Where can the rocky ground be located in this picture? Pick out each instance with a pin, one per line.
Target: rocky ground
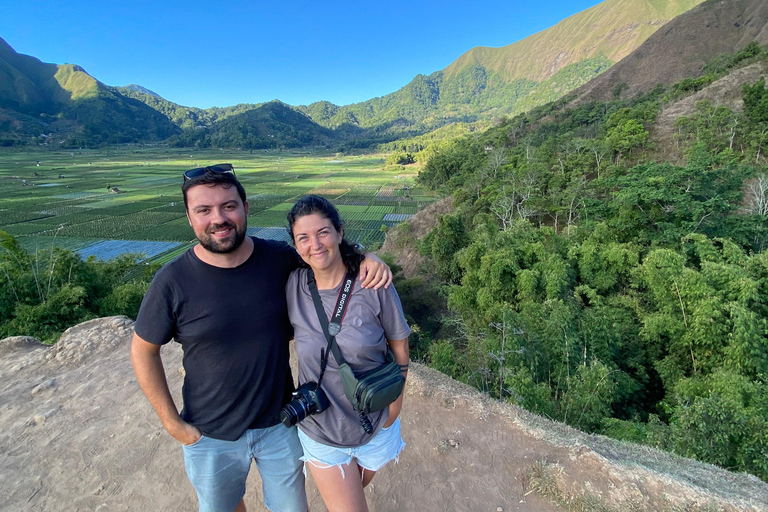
(76, 433)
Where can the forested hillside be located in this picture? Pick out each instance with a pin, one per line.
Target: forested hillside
(185, 117)
(270, 125)
(40, 102)
(590, 282)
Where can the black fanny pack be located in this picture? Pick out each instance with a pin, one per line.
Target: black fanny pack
(368, 391)
(375, 389)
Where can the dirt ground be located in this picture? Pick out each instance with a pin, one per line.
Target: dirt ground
(76, 433)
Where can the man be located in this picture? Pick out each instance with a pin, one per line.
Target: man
(224, 301)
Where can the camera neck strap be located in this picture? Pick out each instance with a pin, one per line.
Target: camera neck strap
(332, 328)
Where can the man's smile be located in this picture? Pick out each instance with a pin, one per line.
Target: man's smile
(222, 231)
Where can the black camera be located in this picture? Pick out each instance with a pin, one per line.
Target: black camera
(307, 399)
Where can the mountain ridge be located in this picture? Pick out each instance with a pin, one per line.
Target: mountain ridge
(485, 83)
(682, 49)
(66, 100)
(512, 61)
(482, 85)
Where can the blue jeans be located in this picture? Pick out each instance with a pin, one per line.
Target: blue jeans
(218, 469)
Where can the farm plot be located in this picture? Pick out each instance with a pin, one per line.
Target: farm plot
(37, 243)
(13, 216)
(274, 217)
(261, 202)
(27, 228)
(177, 229)
(109, 249)
(118, 227)
(279, 234)
(64, 198)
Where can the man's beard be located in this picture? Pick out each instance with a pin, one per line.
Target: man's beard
(225, 246)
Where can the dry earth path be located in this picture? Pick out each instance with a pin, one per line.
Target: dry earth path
(77, 434)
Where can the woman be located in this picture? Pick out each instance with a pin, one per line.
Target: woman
(342, 457)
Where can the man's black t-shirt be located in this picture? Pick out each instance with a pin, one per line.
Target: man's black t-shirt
(233, 326)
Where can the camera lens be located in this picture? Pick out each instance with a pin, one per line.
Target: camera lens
(295, 411)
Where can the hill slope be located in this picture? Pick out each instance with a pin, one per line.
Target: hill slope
(266, 126)
(486, 82)
(684, 47)
(38, 98)
(612, 28)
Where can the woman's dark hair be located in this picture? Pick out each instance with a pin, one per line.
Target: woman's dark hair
(307, 205)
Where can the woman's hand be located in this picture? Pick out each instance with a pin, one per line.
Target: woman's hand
(401, 352)
(374, 272)
(394, 411)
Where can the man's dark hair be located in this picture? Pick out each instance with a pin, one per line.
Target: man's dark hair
(307, 205)
(211, 178)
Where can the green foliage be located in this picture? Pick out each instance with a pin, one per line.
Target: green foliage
(46, 320)
(52, 289)
(589, 396)
(442, 243)
(756, 101)
(722, 419)
(272, 125)
(124, 299)
(625, 137)
(443, 357)
(448, 160)
(620, 295)
(654, 202)
(400, 159)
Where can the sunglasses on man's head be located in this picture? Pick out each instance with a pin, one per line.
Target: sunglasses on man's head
(218, 168)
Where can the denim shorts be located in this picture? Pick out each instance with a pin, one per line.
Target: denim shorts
(384, 447)
(218, 469)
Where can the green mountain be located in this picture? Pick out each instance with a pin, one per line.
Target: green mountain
(485, 83)
(184, 117)
(139, 88)
(482, 85)
(38, 100)
(267, 126)
(612, 29)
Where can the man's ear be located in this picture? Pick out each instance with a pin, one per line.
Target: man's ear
(245, 204)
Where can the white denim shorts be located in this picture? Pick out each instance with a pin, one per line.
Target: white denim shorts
(384, 447)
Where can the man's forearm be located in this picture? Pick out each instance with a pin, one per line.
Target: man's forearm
(148, 366)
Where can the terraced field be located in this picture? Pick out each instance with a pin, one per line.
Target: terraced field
(109, 201)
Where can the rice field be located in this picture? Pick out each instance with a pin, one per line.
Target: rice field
(109, 249)
(127, 199)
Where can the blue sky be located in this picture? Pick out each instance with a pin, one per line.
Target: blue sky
(221, 53)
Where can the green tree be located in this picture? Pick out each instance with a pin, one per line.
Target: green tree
(756, 101)
(442, 243)
(625, 137)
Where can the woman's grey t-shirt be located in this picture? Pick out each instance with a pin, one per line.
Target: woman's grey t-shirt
(372, 318)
